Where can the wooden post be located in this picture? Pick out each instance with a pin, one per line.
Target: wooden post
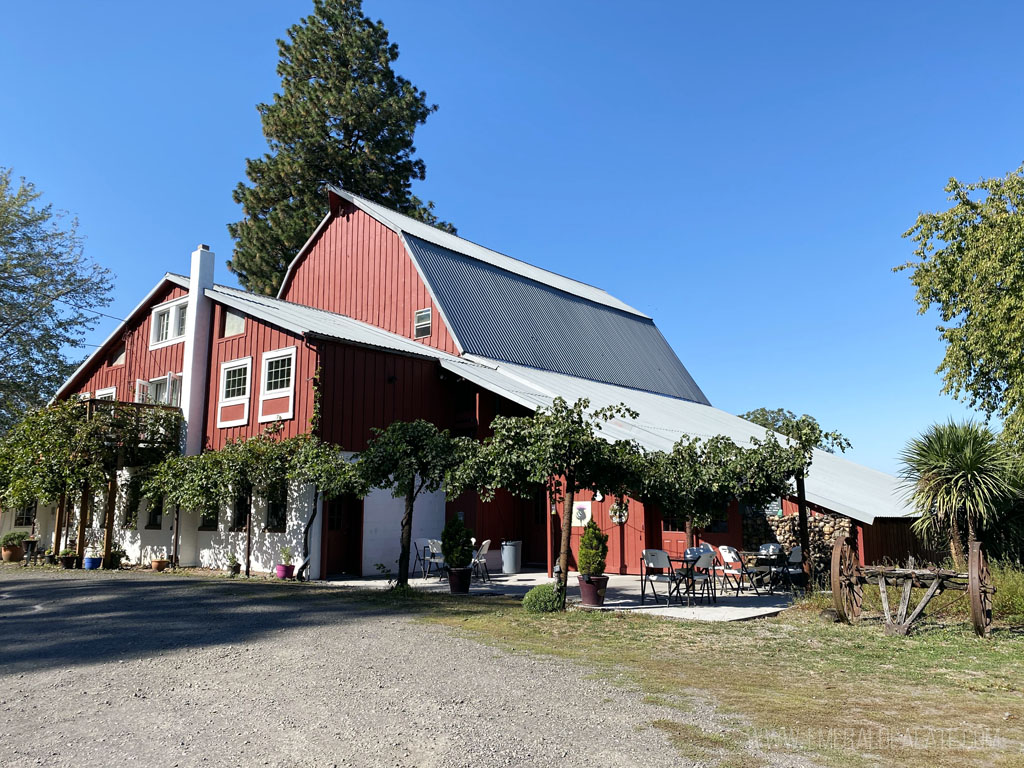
(689, 532)
(804, 532)
(83, 516)
(108, 519)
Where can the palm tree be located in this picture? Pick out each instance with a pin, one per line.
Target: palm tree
(957, 475)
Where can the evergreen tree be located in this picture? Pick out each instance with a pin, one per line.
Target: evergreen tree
(342, 117)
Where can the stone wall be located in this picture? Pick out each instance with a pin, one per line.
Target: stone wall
(823, 528)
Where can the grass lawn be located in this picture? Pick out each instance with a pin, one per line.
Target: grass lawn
(797, 683)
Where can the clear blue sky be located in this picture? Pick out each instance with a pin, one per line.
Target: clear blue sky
(740, 171)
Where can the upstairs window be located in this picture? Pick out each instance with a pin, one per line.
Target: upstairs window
(231, 323)
(277, 388)
(167, 323)
(110, 393)
(233, 403)
(117, 356)
(163, 391)
(421, 323)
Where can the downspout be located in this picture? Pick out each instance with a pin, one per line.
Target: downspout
(300, 573)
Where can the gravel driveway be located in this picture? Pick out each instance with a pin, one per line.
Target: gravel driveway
(135, 668)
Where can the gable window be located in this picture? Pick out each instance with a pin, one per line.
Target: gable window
(155, 518)
(277, 385)
(231, 323)
(277, 508)
(167, 323)
(110, 393)
(233, 403)
(117, 357)
(25, 517)
(421, 324)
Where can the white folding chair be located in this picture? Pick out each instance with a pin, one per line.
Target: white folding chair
(733, 571)
(480, 561)
(422, 552)
(657, 559)
(436, 557)
(702, 574)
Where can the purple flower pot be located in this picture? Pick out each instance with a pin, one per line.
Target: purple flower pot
(284, 571)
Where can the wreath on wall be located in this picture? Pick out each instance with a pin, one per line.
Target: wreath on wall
(619, 511)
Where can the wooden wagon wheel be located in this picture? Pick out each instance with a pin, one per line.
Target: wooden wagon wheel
(847, 579)
(980, 590)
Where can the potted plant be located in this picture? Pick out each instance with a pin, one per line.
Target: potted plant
(457, 548)
(117, 556)
(159, 563)
(285, 569)
(51, 559)
(234, 567)
(68, 559)
(591, 563)
(92, 560)
(13, 552)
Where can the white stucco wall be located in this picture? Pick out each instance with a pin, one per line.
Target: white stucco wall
(382, 527)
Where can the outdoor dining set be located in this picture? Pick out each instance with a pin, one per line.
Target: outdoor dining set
(704, 570)
(429, 557)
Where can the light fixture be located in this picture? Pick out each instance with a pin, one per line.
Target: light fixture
(598, 496)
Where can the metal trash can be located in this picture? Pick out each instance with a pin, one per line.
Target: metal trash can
(511, 553)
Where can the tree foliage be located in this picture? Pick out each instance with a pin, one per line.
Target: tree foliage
(408, 458)
(47, 289)
(804, 430)
(343, 116)
(969, 267)
(960, 478)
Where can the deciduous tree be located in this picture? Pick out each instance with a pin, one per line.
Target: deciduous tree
(343, 116)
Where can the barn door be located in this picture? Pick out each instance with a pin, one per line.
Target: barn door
(343, 539)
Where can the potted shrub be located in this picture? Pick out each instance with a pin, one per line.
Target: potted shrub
(457, 548)
(234, 567)
(285, 569)
(13, 552)
(117, 556)
(591, 564)
(68, 559)
(51, 559)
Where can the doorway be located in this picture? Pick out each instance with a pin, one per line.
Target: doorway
(343, 537)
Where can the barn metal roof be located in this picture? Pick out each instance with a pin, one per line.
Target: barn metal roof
(504, 315)
(833, 482)
(401, 223)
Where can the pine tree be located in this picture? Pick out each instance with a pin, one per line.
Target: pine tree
(343, 117)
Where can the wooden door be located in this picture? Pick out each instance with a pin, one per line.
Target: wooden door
(343, 537)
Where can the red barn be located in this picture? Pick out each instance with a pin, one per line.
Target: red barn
(404, 321)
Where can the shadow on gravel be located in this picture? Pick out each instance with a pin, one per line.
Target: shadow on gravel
(61, 621)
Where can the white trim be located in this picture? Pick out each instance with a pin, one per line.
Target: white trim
(277, 354)
(175, 307)
(141, 391)
(101, 394)
(101, 350)
(83, 395)
(168, 381)
(243, 400)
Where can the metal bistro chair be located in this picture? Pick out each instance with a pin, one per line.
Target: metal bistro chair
(480, 561)
(658, 559)
(733, 571)
(436, 558)
(422, 553)
(702, 574)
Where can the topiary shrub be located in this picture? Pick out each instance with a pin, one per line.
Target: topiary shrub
(593, 551)
(457, 544)
(542, 599)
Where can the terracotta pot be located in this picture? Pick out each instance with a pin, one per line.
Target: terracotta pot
(284, 571)
(592, 589)
(159, 565)
(13, 554)
(458, 580)
(68, 562)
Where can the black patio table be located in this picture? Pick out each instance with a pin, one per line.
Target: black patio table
(773, 563)
(685, 572)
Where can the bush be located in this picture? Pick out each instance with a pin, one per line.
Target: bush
(593, 551)
(542, 599)
(456, 544)
(14, 539)
(68, 553)
(1008, 602)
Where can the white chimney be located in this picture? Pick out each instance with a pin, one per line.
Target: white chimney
(194, 374)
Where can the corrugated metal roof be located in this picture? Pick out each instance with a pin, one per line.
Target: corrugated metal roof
(835, 483)
(300, 319)
(505, 316)
(401, 223)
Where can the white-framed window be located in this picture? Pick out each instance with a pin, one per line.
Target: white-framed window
(421, 323)
(142, 391)
(110, 393)
(167, 323)
(232, 323)
(277, 385)
(84, 395)
(166, 390)
(233, 398)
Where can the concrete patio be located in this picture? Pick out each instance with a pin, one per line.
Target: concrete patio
(623, 595)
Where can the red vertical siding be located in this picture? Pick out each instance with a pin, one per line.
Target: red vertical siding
(140, 361)
(258, 337)
(359, 268)
(364, 388)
